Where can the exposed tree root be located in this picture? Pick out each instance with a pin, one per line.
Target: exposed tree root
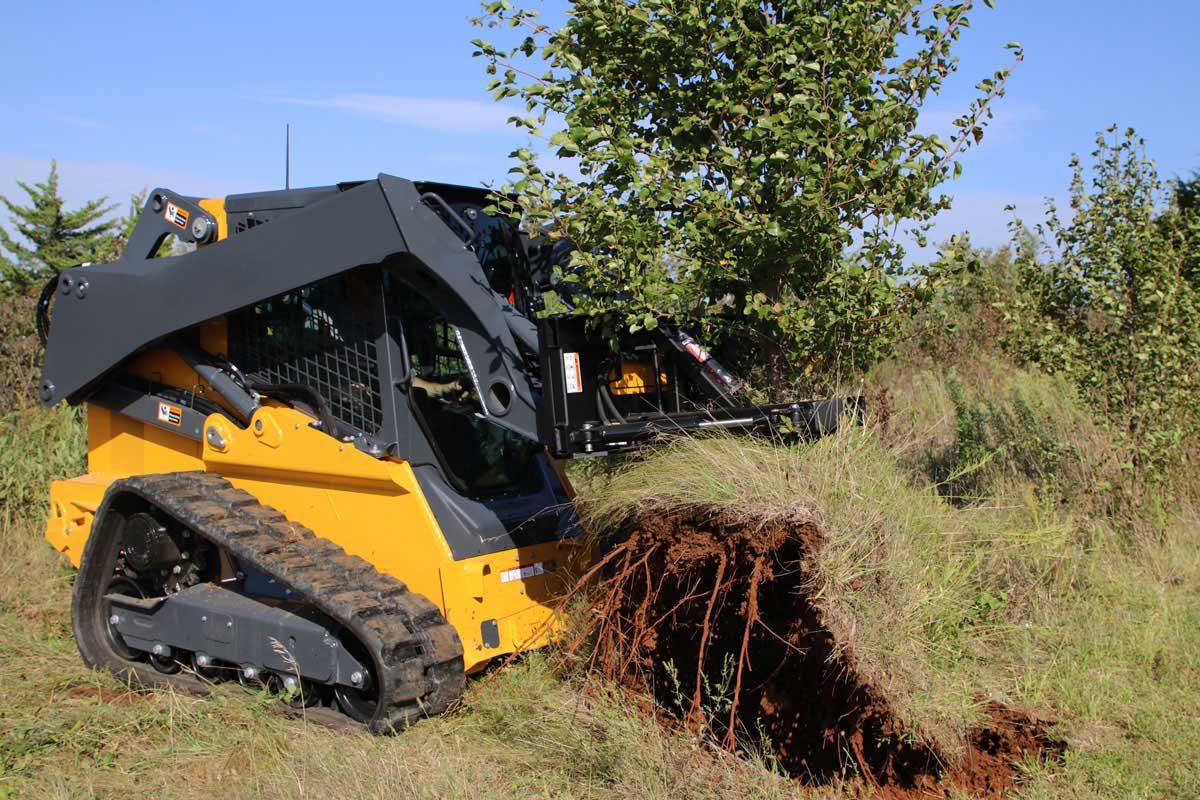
(715, 617)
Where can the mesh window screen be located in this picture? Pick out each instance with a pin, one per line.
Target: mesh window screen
(321, 336)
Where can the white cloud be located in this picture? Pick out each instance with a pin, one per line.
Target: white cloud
(81, 181)
(444, 115)
(72, 120)
(983, 215)
(1008, 122)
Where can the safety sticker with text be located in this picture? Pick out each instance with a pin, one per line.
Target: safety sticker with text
(176, 215)
(526, 571)
(571, 373)
(172, 415)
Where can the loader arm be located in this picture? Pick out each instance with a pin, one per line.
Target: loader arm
(106, 312)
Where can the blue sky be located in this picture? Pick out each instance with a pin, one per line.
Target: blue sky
(195, 97)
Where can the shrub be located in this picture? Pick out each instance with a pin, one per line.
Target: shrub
(20, 354)
(1111, 302)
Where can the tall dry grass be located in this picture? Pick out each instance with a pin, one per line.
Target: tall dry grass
(1049, 584)
(913, 585)
(1030, 590)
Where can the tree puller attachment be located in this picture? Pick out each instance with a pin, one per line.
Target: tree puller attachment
(324, 446)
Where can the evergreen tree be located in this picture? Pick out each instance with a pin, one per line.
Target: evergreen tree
(51, 237)
(7, 267)
(1184, 214)
(123, 228)
(1187, 192)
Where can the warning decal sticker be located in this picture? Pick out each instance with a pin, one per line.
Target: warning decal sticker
(527, 571)
(176, 215)
(571, 373)
(172, 415)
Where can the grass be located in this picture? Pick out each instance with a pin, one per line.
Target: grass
(1117, 655)
(980, 428)
(907, 581)
(66, 731)
(36, 447)
(1028, 595)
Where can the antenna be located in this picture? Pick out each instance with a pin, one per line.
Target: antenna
(287, 157)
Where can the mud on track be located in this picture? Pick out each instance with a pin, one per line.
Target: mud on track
(713, 616)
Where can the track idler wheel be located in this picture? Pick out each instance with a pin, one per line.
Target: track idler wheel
(205, 666)
(165, 662)
(127, 588)
(360, 705)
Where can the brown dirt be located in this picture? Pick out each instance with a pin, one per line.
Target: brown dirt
(712, 616)
(102, 695)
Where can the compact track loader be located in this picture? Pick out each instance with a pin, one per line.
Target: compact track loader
(324, 445)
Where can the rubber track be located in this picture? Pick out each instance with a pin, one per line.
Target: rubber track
(418, 655)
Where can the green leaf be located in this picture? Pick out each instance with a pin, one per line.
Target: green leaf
(725, 167)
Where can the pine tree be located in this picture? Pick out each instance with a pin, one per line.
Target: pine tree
(51, 238)
(123, 227)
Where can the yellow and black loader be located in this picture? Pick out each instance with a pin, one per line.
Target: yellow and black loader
(325, 444)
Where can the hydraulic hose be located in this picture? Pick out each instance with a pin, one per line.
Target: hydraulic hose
(42, 314)
(609, 405)
(244, 404)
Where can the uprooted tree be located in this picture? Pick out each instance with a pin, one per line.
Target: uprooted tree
(748, 166)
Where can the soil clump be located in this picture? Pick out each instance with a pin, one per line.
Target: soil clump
(717, 618)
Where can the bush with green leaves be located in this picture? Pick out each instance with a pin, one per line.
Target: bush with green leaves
(1111, 299)
(747, 166)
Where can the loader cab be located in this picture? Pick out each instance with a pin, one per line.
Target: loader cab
(385, 352)
(496, 242)
(386, 346)
(480, 459)
(497, 485)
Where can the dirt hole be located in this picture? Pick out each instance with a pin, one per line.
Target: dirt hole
(713, 616)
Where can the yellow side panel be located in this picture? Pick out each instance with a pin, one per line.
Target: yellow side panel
(372, 508)
(121, 446)
(525, 610)
(375, 509)
(73, 505)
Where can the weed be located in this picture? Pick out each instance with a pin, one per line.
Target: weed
(36, 447)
